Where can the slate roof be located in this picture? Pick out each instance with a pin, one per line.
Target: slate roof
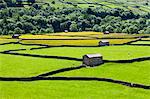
(104, 41)
(93, 55)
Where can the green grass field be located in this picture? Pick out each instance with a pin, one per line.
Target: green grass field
(116, 71)
(20, 66)
(109, 53)
(15, 46)
(123, 4)
(69, 90)
(27, 66)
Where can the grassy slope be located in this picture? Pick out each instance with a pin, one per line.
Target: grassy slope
(137, 72)
(124, 4)
(109, 53)
(25, 66)
(69, 90)
(20, 66)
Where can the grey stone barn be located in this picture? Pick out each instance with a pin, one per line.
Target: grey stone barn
(66, 31)
(16, 36)
(92, 60)
(104, 43)
(106, 32)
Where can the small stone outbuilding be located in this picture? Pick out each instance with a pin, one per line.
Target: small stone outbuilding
(104, 43)
(16, 36)
(66, 31)
(106, 32)
(92, 60)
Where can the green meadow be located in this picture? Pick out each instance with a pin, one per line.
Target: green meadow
(69, 90)
(109, 53)
(28, 66)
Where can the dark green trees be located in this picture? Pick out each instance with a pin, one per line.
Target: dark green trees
(38, 19)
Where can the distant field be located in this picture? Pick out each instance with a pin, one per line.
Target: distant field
(145, 38)
(69, 35)
(142, 42)
(7, 40)
(123, 4)
(74, 42)
(82, 35)
(77, 38)
(98, 35)
(16, 46)
(109, 53)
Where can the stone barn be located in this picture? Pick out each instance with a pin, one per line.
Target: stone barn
(104, 43)
(92, 60)
(66, 31)
(16, 36)
(106, 32)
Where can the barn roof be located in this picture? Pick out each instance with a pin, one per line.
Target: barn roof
(16, 34)
(106, 32)
(104, 41)
(93, 55)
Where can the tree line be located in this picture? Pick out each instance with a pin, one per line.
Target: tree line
(39, 19)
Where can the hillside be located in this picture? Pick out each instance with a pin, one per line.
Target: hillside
(74, 15)
(137, 6)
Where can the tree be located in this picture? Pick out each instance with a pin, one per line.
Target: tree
(147, 31)
(56, 25)
(141, 31)
(3, 5)
(53, 2)
(1, 31)
(73, 27)
(18, 31)
(27, 27)
(36, 6)
(133, 29)
(109, 28)
(97, 28)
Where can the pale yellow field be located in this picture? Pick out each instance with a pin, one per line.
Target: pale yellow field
(5, 37)
(7, 40)
(50, 37)
(74, 42)
(69, 35)
(78, 33)
(145, 38)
